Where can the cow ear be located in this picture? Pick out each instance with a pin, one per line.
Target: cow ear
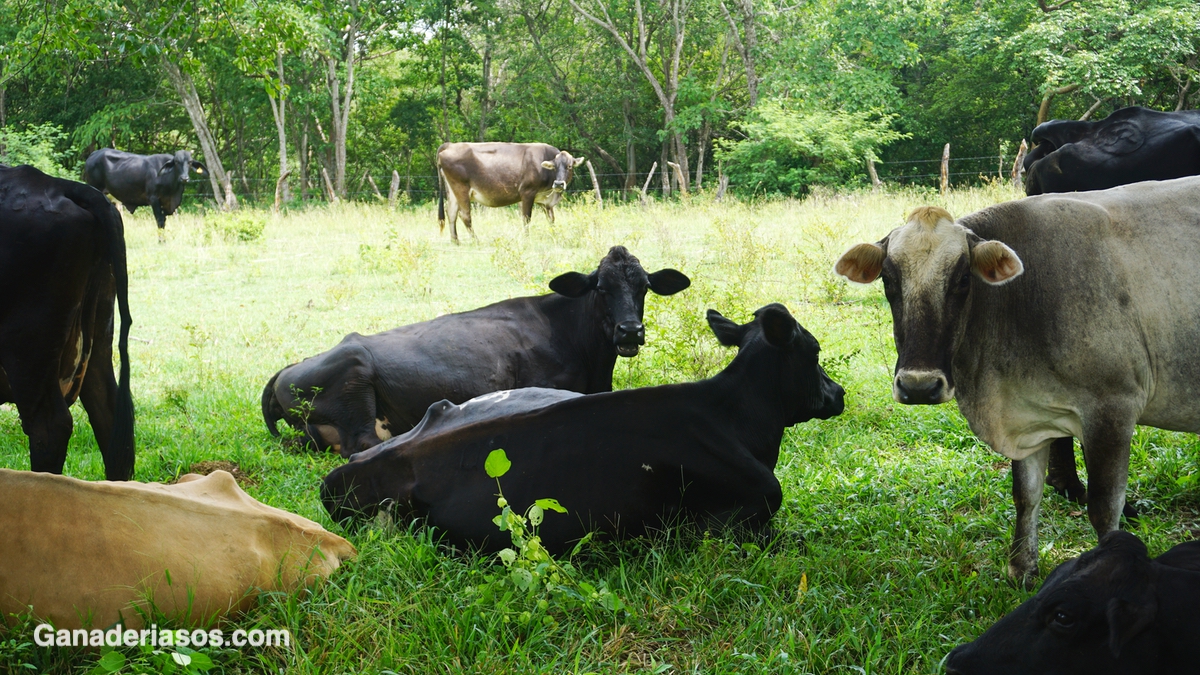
(669, 282)
(862, 263)
(198, 166)
(169, 165)
(778, 325)
(580, 160)
(995, 262)
(728, 333)
(548, 165)
(573, 284)
(1127, 619)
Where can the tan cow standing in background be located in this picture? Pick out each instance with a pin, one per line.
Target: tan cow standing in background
(500, 174)
(89, 554)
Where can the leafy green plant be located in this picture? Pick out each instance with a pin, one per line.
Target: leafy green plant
(36, 146)
(241, 226)
(788, 150)
(180, 660)
(534, 582)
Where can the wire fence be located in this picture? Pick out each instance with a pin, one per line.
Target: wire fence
(419, 188)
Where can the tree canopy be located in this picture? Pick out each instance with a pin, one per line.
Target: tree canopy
(778, 95)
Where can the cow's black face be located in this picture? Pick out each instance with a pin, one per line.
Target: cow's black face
(563, 165)
(1091, 617)
(176, 169)
(928, 268)
(808, 393)
(619, 288)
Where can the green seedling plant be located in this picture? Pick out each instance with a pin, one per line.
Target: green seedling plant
(535, 584)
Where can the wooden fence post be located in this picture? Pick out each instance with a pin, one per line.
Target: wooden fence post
(875, 182)
(595, 183)
(1019, 165)
(679, 178)
(371, 180)
(279, 188)
(722, 182)
(333, 198)
(646, 185)
(945, 184)
(394, 190)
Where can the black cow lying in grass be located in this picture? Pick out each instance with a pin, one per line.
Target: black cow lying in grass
(1112, 610)
(621, 462)
(366, 389)
(62, 263)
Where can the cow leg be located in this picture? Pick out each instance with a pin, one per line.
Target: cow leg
(1029, 480)
(99, 398)
(527, 209)
(465, 213)
(161, 219)
(1106, 454)
(1062, 475)
(549, 212)
(45, 417)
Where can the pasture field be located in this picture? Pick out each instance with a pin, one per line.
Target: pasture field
(892, 538)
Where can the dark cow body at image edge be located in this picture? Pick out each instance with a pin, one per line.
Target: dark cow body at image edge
(156, 181)
(1048, 318)
(622, 462)
(62, 261)
(368, 388)
(1129, 146)
(1111, 611)
(501, 174)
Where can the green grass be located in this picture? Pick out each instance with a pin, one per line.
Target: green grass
(895, 519)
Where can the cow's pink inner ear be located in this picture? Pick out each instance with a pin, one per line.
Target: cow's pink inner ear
(995, 262)
(861, 264)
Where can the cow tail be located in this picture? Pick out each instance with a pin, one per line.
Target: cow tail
(441, 201)
(121, 443)
(271, 409)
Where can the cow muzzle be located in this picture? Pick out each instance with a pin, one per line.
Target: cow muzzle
(629, 337)
(921, 387)
(559, 185)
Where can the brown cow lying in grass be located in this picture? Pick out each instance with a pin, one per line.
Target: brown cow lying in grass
(89, 554)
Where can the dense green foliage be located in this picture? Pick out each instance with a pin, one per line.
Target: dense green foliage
(363, 89)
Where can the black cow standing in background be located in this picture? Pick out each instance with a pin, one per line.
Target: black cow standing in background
(62, 259)
(1129, 146)
(368, 388)
(156, 181)
(623, 462)
(1111, 611)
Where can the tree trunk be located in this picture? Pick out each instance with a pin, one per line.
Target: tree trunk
(666, 175)
(303, 158)
(279, 111)
(705, 132)
(630, 150)
(746, 43)
(485, 86)
(186, 89)
(1044, 109)
(340, 104)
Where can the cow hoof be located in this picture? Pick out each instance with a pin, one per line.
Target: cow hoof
(1022, 576)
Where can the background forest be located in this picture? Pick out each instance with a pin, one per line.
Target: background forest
(779, 95)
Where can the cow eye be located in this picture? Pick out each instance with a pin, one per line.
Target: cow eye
(1062, 619)
(964, 282)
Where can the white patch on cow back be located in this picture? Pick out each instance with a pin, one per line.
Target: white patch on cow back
(381, 429)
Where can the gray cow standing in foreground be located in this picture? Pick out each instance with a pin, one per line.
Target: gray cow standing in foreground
(1046, 318)
(501, 174)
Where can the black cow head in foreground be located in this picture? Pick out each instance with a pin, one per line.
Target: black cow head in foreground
(927, 266)
(620, 284)
(563, 165)
(1111, 611)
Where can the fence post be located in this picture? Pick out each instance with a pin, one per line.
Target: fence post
(595, 183)
(279, 188)
(722, 182)
(371, 180)
(646, 185)
(394, 189)
(679, 178)
(945, 184)
(1019, 165)
(875, 182)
